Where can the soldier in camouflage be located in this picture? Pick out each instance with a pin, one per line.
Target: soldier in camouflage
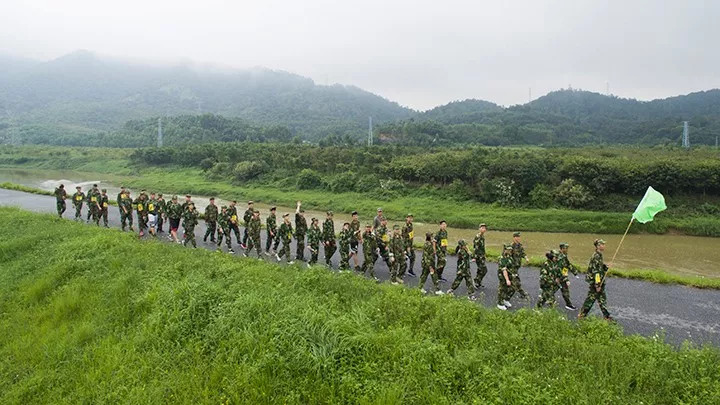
(383, 242)
(428, 266)
(104, 206)
(78, 199)
(518, 254)
(356, 238)
(479, 255)
(313, 237)
(174, 213)
(409, 238)
(285, 234)
(549, 279)
(234, 226)
(369, 251)
(247, 216)
(152, 213)
(125, 206)
(254, 234)
(566, 267)
(190, 219)
(60, 196)
(93, 203)
(140, 204)
(271, 229)
(211, 217)
(328, 238)
(301, 228)
(346, 236)
(505, 266)
(463, 270)
(397, 255)
(224, 229)
(597, 270)
(441, 245)
(161, 212)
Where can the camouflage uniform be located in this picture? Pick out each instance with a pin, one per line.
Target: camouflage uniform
(441, 245)
(271, 228)
(548, 283)
(152, 210)
(224, 229)
(408, 237)
(480, 259)
(234, 228)
(565, 267)
(505, 263)
(383, 240)
(595, 275)
(104, 206)
(345, 241)
(285, 234)
(369, 252)
(174, 211)
(247, 216)
(78, 199)
(518, 253)
(397, 254)
(161, 211)
(93, 201)
(190, 219)
(355, 236)
(301, 228)
(428, 262)
(211, 216)
(463, 270)
(141, 209)
(125, 206)
(60, 196)
(313, 237)
(328, 237)
(254, 227)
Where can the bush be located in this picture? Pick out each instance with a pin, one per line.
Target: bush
(572, 194)
(541, 196)
(342, 182)
(308, 179)
(207, 163)
(249, 170)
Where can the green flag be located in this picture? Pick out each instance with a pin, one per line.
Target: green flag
(651, 204)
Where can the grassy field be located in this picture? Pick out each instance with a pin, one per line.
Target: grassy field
(115, 165)
(91, 316)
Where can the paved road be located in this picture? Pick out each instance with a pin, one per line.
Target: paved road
(680, 313)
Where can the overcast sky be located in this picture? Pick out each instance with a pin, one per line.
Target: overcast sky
(418, 53)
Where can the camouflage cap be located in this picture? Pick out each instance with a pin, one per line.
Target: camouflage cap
(564, 245)
(159, 194)
(329, 213)
(482, 225)
(250, 202)
(555, 253)
(174, 197)
(212, 198)
(368, 226)
(428, 234)
(354, 213)
(256, 212)
(78, 187)
(507, 246)
(515, 234)
(599, 242)
(224, 207)
(462, 242)
(285, 215)
(273, 208)
(409, 216)
(379, 209)
(396, 227)
(188, 196)
(104, 190)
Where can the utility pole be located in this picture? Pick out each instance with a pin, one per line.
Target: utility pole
(370, 137)
(686, 135)
(160, 134)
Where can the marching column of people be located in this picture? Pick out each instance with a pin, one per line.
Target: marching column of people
(396, 247)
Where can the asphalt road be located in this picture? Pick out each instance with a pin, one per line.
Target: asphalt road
(676, 312)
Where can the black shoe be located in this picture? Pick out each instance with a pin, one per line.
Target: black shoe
(412, 273)
(212, 240)
(570, 307)
(442, 279)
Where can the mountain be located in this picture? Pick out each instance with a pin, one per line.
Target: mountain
(460, 112)
(83, 92)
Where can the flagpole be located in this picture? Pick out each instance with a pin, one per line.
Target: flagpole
(618, 249)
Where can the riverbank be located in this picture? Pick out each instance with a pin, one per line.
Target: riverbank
(90, 317)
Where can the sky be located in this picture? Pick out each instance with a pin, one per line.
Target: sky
(418, 53)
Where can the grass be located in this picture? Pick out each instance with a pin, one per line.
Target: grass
(88, 316)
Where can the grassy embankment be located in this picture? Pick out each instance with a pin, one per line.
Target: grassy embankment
(114, 164)
(93, 315)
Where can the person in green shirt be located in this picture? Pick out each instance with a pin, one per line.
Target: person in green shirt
(253, 241)
(505, 266)
(301, 228)
(271, 229)
(441, 245)
(211, 216)
(463, 270)
(77, 200)
(224, 229)
(328, 235)
(549, 279)
(565, 268)
(161, 212)
(190, 219)
(479, 255)
(313, 237)
(518, 254)
(285, 233)
(346, 236)
(124, 202)
(397, 255)
(369, 242)
(104, 206)
(597, 270)
(174, 213)
(428, 265)
(60, 196)
(409, 238)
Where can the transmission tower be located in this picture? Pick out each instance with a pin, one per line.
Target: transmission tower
(370, 137)
(686, 135)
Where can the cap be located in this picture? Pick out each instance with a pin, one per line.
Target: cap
(250, 202)
(428, 234)
(273, 208)
(142, 191)
(481, 225)
(396, 227)
(564, 245)
(555, 253)
(368, 226)
(354, 213)
(62, 186)
(379, 209)
(329, 213)
(212, 198)
(302, 211)
(104, 190)
(507, 246)
(256, 212)
(224, 207)
(408, 215)
(174, 197)
(78, 187)
(188, 196)
(516, 234)
(599, 242)
(94, 185)
(461, 242)
(159, 194)
(286, 215)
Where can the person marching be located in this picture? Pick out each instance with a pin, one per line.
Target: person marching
(346, 237)
(190, 219)
(383, 242)
(370, 245)
(141, 210)
(549, 279)
(355, 239)
(124, 203)
(409, 238)
(60, 196)
(313, 237)
(234, 227)
(328, 236)
(174, 213)
(505, 266)
(78, 199)
(93, 201)
(301, 228)
(224, 229)
(463, 270)
(161, 212)
(247, 216)
(428, 266)
(441, 244)
(104, 206)
(396, 255)
(285, 234)
(479, 255)
(271, 229)
(211, 217)
(518, 254)
(597, 270)
(565, 267)
(152, 213)
(254, 235)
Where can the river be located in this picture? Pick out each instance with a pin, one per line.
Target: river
(679, 254)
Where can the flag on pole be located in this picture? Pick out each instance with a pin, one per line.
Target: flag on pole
(652, 203)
